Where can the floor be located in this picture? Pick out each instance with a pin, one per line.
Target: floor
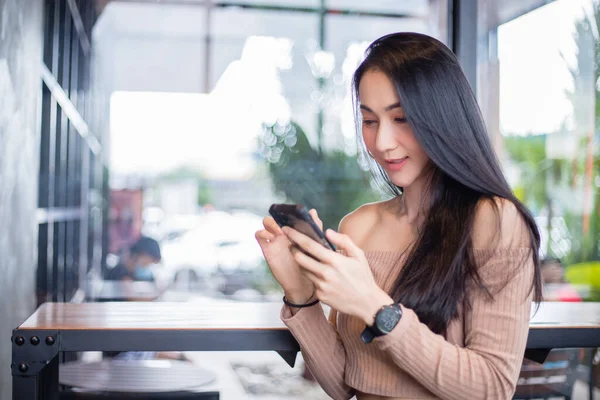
(231, 389)
(230, 386)
(581, 390)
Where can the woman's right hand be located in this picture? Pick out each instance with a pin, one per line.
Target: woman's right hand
(276, 248)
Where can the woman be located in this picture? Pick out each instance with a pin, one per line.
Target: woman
(431, 291)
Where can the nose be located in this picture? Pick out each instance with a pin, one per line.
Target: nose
(386, 138)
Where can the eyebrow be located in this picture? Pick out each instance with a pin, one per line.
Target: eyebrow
(388, 108)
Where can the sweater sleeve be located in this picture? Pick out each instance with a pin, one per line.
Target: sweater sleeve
(495, 328)
(321, 348)
(495, 338)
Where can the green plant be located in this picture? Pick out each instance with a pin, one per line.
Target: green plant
(585, 169)
(578, 173)
(331, 182)
(529, 152)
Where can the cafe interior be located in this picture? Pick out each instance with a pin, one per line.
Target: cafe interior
(143, 141)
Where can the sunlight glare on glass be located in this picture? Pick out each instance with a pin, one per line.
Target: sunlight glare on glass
(252, 84)
(535, 52)
(216, 132)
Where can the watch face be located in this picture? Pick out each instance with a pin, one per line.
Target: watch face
(388, 318)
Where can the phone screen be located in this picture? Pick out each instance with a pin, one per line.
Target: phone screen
(296, 216)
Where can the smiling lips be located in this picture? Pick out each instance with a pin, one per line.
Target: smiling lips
(395, 164)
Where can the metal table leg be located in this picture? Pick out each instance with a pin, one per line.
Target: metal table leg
(40, 386)
(35, 365)
(25, 387)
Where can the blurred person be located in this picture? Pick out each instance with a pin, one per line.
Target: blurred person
(556, 288)
(552, 271)
(135, 264)
(430, 291)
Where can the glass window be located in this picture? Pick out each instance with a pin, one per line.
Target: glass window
(540, 99)
(275, 3)
(538, 87)
(217, 113)
(408, 7)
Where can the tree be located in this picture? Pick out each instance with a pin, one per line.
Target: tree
(577, 174)
(331, 182)
(529, 152)
(585, 169)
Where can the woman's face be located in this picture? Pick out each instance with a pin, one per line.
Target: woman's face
(387, 135)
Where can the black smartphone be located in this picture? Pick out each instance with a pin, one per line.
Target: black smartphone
(296, 216)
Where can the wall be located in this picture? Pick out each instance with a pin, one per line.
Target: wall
(21, 36)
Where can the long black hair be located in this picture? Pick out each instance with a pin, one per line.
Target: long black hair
(442, 111)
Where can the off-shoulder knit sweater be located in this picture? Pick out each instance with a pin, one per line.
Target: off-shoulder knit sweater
(479, 357)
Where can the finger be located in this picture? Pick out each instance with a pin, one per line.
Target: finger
(272, 226)
(309, 246)
(343, 242)
(264, 236)
(320, 286)
(311, 277)
(308, 264)
(315, 216)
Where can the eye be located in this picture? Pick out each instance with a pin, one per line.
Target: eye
(400, 120)
(369, 122)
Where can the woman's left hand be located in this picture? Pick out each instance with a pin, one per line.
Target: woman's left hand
(344, 282)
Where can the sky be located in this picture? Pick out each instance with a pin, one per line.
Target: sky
(217, 132)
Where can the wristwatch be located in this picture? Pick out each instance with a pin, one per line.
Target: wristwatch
(386, 319)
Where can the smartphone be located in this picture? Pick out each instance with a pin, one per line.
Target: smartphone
(296, 216)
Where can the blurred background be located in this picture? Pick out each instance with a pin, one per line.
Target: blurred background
(183, 120)
(214, 113)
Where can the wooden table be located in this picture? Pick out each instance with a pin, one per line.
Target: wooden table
(214, 326)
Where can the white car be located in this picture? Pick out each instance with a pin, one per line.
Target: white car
(219, 253)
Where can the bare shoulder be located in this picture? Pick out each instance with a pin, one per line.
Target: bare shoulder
(499, 224)
(359, 223)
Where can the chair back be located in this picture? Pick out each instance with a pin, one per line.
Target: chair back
(554, 378)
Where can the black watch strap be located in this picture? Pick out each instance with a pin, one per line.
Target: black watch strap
(367, 335)
(386, 318)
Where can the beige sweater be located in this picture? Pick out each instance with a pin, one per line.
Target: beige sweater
(479, 358)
